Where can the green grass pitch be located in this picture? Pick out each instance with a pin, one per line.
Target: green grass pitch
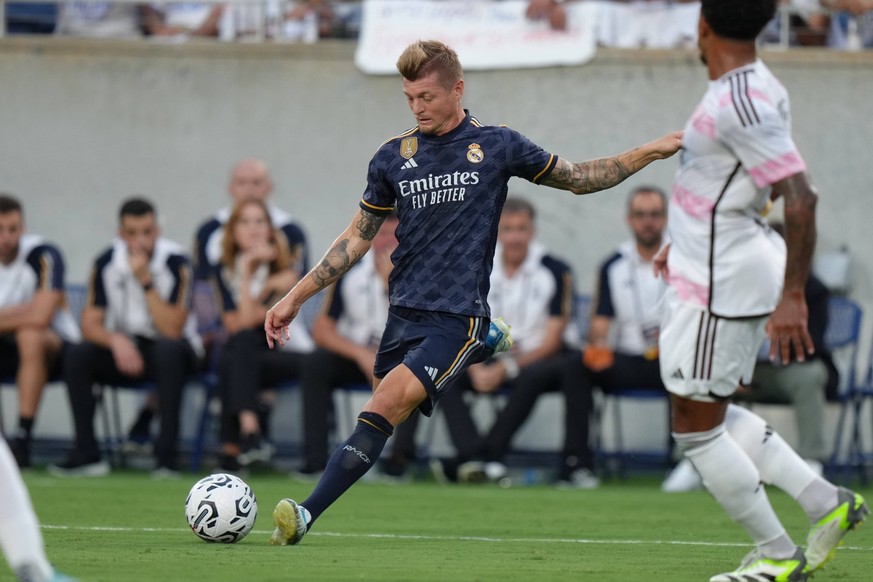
(127, 527)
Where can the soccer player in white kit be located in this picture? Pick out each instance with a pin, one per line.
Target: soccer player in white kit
(731, 282)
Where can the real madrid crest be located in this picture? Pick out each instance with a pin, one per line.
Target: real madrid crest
(408, 147)
(475, 153)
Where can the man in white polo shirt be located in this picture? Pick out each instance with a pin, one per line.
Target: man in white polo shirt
(34, 318)
(622, 349)
(136, 326)
(626, 318)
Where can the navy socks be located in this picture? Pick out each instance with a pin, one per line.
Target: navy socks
(349, 462)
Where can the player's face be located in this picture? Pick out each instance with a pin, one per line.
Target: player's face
(252, 229)
(437, 110)
(647, 219)
(11, 229)
(250, 181)
(515, 232)
(139, 233)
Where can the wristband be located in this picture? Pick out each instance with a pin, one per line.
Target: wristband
(146, 287)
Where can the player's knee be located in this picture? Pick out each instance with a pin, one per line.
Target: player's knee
(690, 441)
(394, 403)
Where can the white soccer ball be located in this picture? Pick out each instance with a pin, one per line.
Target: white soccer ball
(221, 508)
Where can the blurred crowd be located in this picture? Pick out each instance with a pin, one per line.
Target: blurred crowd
(843, 24)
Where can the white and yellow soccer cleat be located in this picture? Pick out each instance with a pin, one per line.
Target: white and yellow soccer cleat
(755, 567)
(828, 532)
(291, 523)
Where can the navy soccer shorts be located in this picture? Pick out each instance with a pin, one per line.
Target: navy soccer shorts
(436, 346)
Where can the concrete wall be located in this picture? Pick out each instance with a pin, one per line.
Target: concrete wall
(84, 124)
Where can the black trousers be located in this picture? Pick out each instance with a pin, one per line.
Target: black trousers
(561, 373)
(628, 372)
(323, 371)
(246, 366)
(167, 363)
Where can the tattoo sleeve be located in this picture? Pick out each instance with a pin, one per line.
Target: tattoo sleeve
(344, 253)
(369, 225)
(587, 177)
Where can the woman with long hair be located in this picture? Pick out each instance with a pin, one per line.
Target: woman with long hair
(256, 267)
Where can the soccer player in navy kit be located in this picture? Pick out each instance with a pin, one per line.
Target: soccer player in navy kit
(447, 180)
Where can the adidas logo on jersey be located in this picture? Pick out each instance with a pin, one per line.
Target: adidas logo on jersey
(678, 374)
(432, 372)
(410, 163)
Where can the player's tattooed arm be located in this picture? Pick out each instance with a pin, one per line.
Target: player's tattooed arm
(347, 249)
(603, 173)
(369, 224)
(587, 177)
(334, 264)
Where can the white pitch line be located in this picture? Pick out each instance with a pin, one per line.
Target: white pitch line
(418, 537)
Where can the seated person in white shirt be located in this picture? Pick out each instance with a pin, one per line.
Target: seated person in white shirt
(347, 333)
(136, 326)
(34, 321)
(622, 349)
(534, 292)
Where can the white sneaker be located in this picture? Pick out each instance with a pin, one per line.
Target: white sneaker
(684, 477)
(291, 521)
(78, 465)
(481, 472)
(755, 567)
(828, 532)
(579, 479)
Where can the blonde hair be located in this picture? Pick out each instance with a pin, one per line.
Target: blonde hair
(229, 248)
(424, 57)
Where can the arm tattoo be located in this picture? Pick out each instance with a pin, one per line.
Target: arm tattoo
(369, 225)
(341, 258)
(333, 265)
(587, 177)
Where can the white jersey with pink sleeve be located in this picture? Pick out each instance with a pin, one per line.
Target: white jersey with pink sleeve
(724, 258)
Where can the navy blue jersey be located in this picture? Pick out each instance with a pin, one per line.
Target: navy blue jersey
(449, 191)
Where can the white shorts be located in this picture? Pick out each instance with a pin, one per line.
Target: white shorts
(703, 356)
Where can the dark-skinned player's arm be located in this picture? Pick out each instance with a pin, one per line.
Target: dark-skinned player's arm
(787, 326)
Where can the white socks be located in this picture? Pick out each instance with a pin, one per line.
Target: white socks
(732, 478)
(778, 464)
(19, 531)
